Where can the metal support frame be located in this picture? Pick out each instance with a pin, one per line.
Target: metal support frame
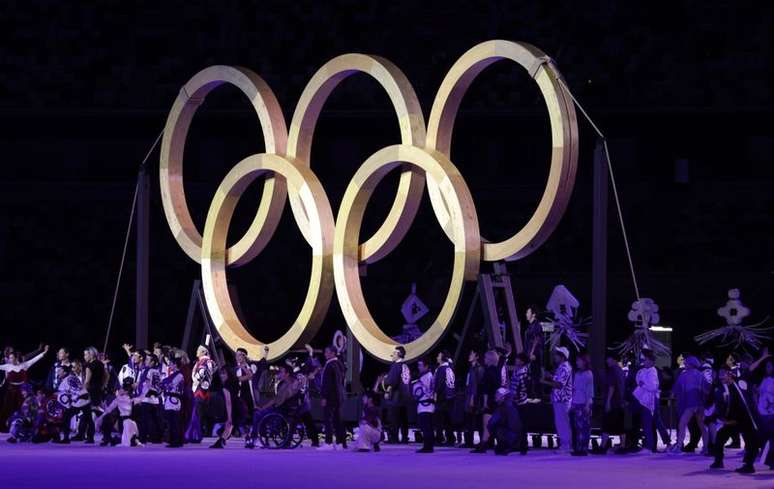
(486, 295)
(143, 252)
(598, 330)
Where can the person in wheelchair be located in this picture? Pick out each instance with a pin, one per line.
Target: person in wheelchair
(287, 402)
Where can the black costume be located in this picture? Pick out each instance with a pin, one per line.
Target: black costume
(734, 405)
(444, 400)
(505, 427)
(473, 402)
(332, 392)
(396, 401)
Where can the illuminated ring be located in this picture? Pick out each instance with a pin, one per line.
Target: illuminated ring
(465, 237)
(173, 145)
(302, 183)
(412, 131)
(564, 137)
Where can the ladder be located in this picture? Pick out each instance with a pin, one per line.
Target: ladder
(493, 289)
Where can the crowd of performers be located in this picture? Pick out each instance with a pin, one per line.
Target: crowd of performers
(162, 396)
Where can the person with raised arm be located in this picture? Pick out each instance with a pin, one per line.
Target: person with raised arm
(15, 370)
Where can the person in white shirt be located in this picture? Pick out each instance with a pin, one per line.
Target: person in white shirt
(422, 389)
(124, 404)
(561, 397)
(647, 396)
(75, 398)
(133, 367)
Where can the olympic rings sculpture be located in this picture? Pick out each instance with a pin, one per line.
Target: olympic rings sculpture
(423, 155)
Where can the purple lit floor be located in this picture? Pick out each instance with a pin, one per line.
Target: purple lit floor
(77, 465)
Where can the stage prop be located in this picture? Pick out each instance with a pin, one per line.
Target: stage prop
(338, 253)
(734, 333)
(643, 314)
(567, 323)
(413, 309)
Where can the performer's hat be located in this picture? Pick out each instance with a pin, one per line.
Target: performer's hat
(564, 351)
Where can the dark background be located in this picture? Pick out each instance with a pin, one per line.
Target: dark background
(84, 90)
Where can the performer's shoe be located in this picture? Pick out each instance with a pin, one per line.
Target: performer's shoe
(90, 441)
(77, 438)
(716, 465)
(250, 444)
(219, 443)
(174, 445)
(481, 448)
(745, 469)
(328, 447)
(11, 440)
(576, 453)
(425, 450)
(105, 442)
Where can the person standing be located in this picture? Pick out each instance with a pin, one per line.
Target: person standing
(520, 394)
(766, 409)
(489, 385)
(613, 416)
(646, 396)
(561, 396)
(247, 373)
(691, 391)
(534, 345)
(172, 388)
(201, 376)
(424, 395)
(332, 394)
(62, 359)
(134, 365)
(397, 396)
(75, 398)
(95, 379)
(15, 376)
(473, 401)
(227, 386)
(733, 404)
(444, 399)
(582, 401)
(149, 390)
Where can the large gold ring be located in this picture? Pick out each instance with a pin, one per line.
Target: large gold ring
(412, 132)
(303, 184)
(173, 145)
(564, 137)
(422, 154)
(464, 236)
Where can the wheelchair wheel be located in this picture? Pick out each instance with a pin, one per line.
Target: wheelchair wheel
(274, 431)
(297, 437)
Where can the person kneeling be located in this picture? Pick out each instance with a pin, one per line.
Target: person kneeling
(124, 404)
(370, 428)
(505, 424)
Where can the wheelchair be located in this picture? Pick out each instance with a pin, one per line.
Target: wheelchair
(281, 430)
